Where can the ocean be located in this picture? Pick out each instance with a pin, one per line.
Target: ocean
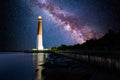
(16, 66)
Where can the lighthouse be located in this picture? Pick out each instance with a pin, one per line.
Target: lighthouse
(39, 56)
(39, 34)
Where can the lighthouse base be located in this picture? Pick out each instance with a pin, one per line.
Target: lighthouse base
(39, 42)
(40, 48)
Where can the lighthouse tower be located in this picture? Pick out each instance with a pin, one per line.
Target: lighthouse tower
(39, 34)
(39, 56)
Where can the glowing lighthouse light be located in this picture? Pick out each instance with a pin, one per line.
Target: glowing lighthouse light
(39, 34)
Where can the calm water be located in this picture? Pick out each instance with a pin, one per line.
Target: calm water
(21, 66)
(16, 66)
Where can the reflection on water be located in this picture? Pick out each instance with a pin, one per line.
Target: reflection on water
(39, 59)
(21, 66)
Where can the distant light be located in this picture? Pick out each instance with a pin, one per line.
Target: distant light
(46, 49)
(39, 17)
(34, 49)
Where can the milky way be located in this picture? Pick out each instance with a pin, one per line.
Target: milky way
(78, 29)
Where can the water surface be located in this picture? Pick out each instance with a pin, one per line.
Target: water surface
(16, 66)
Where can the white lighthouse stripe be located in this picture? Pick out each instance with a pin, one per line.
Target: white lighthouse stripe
(39, 42)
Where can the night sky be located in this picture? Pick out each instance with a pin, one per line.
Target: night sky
(64, 21)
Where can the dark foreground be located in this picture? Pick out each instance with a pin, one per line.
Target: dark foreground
(65, 73)
(61, 68)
